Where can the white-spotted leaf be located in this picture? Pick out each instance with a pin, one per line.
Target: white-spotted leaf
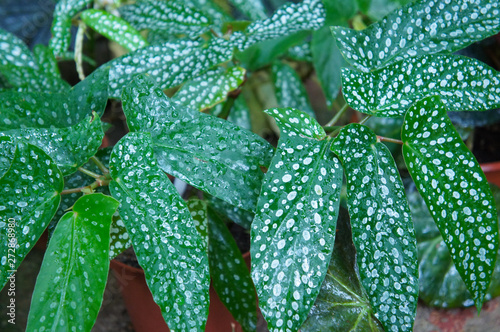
(75, 268)
(293, 231)
(165, 240)
(464, 84)
(29, 198)
(382, 228)
(290, 92)
(209, 153)
(14, 52)
(455, 190)
(113, 28)
(421, 27)
(253, 9)
(210, 88)
(168, 64)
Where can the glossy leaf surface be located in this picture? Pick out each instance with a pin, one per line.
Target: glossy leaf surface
(421, 27)
(210, 88)
(165, 240)
(169, 64)
(207, 152)
(172, 17)
(239, 216)
(61, 26)
(30, 195)
(294, 227)
(342, 304)
(440, 282)
(69, 147)
(113, 28)
(14, 51)
(75, 268)
(456, 191)
(382, 228)
(287, 20)
(290, 92)
(464, 84)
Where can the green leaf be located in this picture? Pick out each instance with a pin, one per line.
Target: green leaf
(287, 20)
(14, 52)
(210, 88)
(456, 191)
(46, 61)
(210, 9)
(239, 216)
(440, 282)
(230, 276)
(209, 153)
(422, 27)
(170, 17)
(240, 113)
(113, 28)
(327, 61)
(69, 147)
(301, 52)
(61, 25)
(342, 304)
(32, 79)
(462, 83)
(339, 10)
(29, 197)
(253, 9)
(381, 226)
(169, 64)
(290, 92)
(70, 286)
(377, 9)
(166, 243)
(90, 95)
(294, 228)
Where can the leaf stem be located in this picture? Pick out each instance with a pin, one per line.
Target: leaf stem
(338, 115)
(102, 181)
(89, 173)
(79, 49)
(366, 118)
(390, 140)
(99, 164)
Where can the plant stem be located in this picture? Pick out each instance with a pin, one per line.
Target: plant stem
(390, 140)
(89, 173)
(99, 164)
(338, 115)
(226, 109)
(363, 121)
(79, 49)
(100, 182)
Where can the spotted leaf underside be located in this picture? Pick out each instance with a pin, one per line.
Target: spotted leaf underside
(210, 88)
(293, 231)
(209, 153)
(455, 190)
(290, 92)
(440, 282)
(61, 25)
(230, 276)
(75, 268)
(113, 28)
(382, 228)
(168, 64)
(31, 184)
(165, 240)
(287, 20)
(464, 84)
(172, 17)
(421, 27)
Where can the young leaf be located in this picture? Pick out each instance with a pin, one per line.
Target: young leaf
(287, 20)
(169, 64)
(28, 200)
(230, 276)
(207, 152)
(381, 227)
(210, 88)
(342, 304)
(421, 27)
(253, 9)
(171, 17)
(290, 92)
(464, 84)
(61, 26)
(69, 147)
(456, 191)
(166, 243)
(75, 268)
(113, 28)
(294, 227)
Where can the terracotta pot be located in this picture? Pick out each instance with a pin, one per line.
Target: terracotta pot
(145, 314)
(492, 172)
